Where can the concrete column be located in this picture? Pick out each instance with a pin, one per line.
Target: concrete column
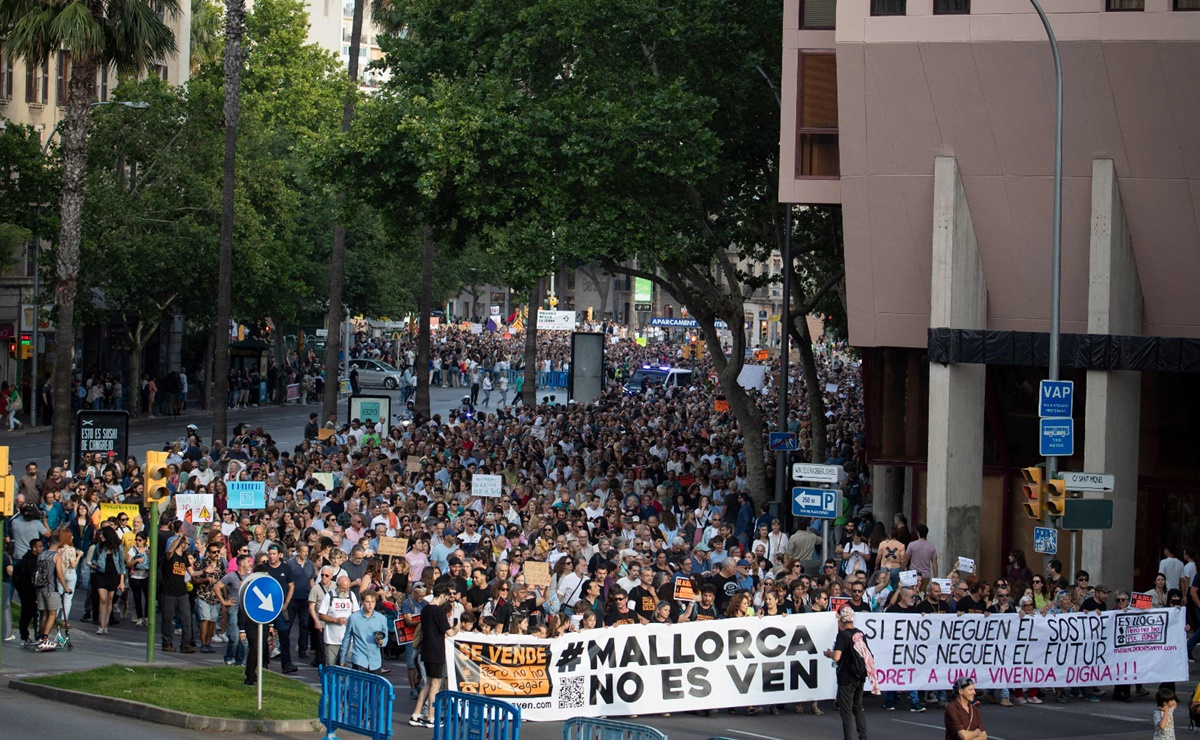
(958, 299)
(1113, 410)
(887, 492)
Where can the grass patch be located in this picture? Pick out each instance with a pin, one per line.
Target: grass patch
(214, 692)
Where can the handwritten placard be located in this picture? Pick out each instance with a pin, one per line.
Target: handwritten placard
(393, 545)
(324, 434)
(486, 486)
(537, 573)
(685, 590)
(412, 464)
(537, 432)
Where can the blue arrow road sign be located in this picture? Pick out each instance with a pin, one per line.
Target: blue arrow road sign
(783, 442)
(1045, 540)
(262, 598)
(1057, 438)
(1054, 398)
(815, 503)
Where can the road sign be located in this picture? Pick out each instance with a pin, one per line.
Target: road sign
(1054, 398)
(783, 442)
(816, 473)
(1057, 437)
(1088, 513)
(1045, 540)
(816, 503)
(1100, 482)
(262, 598)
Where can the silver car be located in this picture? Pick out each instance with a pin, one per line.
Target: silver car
(376, 374)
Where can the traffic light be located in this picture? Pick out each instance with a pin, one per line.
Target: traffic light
(1056, 497)
(1035, 493)
(8, 485)
(156, 477)
(590, 313)
(26, 346)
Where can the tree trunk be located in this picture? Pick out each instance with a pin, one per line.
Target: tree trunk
(235, 12)
(207, 390)
(70, 204)
(337, 263)
(141, 335)
(743, 408)
(530, 389)
(280, 352)
(812, 389)
(428, 250)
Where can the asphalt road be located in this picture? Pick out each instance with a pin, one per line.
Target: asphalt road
(284, 423)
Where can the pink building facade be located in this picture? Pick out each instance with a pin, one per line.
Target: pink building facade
(931, 123)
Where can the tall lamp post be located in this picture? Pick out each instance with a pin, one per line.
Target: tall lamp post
(37, 261)
(1056, 242)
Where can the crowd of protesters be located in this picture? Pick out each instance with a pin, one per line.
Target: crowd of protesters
(621, 498)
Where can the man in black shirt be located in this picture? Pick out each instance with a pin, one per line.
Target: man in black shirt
(933, 604)
(852, 668)
(726, 583)
(176, 567)
(454, 577)
(435, 628)
(706, 609)
(1097, 602)
(643, 598)
(283, 575)
(972, 602)
(856, 598)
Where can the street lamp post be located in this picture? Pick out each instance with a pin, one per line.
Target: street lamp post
(37, 261)
(1056, 240)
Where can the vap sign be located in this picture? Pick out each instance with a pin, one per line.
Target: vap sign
(1055, 398)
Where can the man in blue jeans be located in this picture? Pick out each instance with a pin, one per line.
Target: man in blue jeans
(228, 590)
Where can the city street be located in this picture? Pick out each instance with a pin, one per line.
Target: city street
(284, 423)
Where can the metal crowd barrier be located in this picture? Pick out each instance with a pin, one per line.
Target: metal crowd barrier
(357, 701)
(607, 729)
(460, 716)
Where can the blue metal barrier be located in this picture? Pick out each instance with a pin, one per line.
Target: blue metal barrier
(460, 716)
(357, 701)
(607, 729)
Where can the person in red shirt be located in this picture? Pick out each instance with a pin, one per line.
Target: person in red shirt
(964, 721)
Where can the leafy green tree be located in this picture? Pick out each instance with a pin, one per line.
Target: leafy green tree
(26, 179)
(206, 34)
(125, 34)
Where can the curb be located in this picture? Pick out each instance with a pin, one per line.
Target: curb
(150, 713)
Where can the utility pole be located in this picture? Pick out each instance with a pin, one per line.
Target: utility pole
(781, 458)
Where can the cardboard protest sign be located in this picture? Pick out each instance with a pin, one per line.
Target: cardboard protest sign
(685, 590)
(393, 546)
(537, 573)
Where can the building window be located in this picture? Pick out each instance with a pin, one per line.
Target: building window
(60, 82)
(817, 117)
(818, 14)
(889, 7)
(6, 79)
(45, 88)
(951, 7)
(1125, 4)
(1187, 4)
(103, 83)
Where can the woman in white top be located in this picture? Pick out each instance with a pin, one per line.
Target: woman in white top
(855, 554)
(879, 591)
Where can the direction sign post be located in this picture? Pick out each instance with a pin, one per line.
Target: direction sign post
(261, 597)
(816, 503)
(1092, 482)
(810, 473)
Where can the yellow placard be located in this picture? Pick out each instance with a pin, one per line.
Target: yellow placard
(113, 510)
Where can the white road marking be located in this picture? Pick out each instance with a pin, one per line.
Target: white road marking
(752, 734)
(935, 727)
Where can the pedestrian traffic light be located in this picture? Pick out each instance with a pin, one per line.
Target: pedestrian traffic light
(156, 477)
(1035, 493)
(26, 346)
(1056, 497)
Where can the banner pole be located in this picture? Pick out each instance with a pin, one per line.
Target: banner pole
(259, 659)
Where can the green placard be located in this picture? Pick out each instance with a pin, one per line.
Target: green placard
(1088, 513)
(643, 290)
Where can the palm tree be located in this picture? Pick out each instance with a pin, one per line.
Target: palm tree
(207, 41)
(125, 34)
(235, 17)
(337, 262)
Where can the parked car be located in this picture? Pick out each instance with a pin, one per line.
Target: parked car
(376, 374)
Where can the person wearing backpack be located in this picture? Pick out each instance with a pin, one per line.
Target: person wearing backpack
(22, 580)
(47, 577)
(855, 664)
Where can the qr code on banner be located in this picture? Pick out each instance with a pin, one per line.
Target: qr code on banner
(571, 692)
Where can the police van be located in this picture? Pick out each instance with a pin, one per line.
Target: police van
(658, 376)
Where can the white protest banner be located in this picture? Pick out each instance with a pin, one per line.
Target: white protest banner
(909, 577)
(924, 652)
(966, 565)
(640, 669)
(486, 486)
(194, 508)
(247, 495)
